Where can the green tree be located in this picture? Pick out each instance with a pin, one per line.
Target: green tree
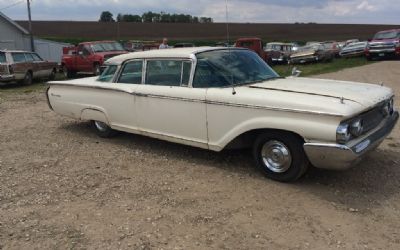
(106, 16)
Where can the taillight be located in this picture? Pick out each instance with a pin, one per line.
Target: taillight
(10, 69)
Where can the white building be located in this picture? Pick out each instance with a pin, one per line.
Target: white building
(15, 37)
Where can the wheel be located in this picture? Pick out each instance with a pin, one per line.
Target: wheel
(280, 156)
(96, 69)
(103, 130)
(28, 78)
(52, 75)
(68, 73)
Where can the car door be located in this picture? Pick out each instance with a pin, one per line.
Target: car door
(83, 62)
(34, 65)
(41, 65)
(20, 66)
(167, 108)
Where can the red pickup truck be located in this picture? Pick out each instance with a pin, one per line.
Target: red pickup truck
(384, 44)
(254, 44)
(88, 57)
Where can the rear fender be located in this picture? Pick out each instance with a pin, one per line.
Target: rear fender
(94, 114)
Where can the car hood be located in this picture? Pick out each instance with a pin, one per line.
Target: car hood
(394, 40)
(362, 93)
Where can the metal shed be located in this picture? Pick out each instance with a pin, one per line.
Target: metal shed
(15, 37)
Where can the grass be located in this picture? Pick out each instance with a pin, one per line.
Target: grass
(321, 68)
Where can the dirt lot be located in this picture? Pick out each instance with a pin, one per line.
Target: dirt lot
(61, 187)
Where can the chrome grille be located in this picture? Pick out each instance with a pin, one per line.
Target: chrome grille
(3, 69)
(372, 118)
(381, 46)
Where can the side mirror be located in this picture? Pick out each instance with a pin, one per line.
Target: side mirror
(296, 72)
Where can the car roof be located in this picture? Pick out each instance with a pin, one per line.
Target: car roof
(184, 53)
(15, 51)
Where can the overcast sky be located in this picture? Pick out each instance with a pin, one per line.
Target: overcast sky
(280, 11)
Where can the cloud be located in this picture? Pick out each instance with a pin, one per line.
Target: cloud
(320, 11)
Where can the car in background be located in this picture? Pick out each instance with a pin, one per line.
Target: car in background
(255, 44)
(226, 98)
(315, 52)
(384, 44)
(353, 49)
(24, 66)
(88, 57)
(184, 45)
(280, 52)
(332, 46)
(139, 45)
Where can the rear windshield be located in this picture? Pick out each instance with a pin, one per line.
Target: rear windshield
(108, 73)
(3, 57)
(387, 35)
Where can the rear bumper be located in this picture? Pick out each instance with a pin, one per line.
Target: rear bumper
(341, 157)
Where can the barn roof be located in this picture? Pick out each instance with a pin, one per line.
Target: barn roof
(17, 26)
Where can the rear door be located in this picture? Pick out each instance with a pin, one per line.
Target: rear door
(35, 67)
(45, 67)
(20, 66)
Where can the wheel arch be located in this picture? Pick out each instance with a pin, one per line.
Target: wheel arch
(93, 114)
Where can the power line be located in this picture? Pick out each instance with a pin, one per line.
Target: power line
(12, 5)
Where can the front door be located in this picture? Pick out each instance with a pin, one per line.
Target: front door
(83, 61)
(167, 108)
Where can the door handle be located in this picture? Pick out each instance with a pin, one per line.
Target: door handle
(141, 95)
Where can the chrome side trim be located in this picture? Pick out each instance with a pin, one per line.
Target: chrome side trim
(240, 105)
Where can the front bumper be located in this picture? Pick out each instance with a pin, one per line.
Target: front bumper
(305, 59)
(6, 78)
(341, 157)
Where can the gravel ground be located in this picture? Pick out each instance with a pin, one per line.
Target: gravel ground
(64, 188)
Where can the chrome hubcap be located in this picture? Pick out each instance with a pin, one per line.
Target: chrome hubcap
(276, 156)
(101, 126)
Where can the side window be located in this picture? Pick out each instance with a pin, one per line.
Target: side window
(83, 50)
(18, 57)
(3, 58)
(131, 73)
(168, 72)
(36, 57)
(29, 57)
(207, 75)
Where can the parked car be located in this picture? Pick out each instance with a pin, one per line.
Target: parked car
(333, 47)
(184, 45)
(280, 52)
(218, 98)
(312, 53)
(255, 44)
(24, 66)
(88, 57)
(384, 44)
(354, 49)
(139, 45)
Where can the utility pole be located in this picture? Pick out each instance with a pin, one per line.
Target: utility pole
(30, 26)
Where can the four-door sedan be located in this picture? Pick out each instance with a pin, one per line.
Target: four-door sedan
(23, 66)
(219, 98)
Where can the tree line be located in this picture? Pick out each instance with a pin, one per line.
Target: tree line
(153, 17)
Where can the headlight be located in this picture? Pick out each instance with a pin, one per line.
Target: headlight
(343, 133)
(356, 128)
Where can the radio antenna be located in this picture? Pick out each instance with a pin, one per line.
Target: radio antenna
(227, 21)
(228, 44)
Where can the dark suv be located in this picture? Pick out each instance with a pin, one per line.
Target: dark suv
(22, 66)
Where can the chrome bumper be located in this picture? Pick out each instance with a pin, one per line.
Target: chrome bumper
(6, 78)
(340, 157)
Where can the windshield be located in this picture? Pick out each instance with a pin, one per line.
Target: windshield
(108, 73)
(3, 57)
(103, 47)
(222, 68)
(386, 35)
(310, 47)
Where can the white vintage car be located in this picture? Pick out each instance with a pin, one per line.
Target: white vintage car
(218, 98)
